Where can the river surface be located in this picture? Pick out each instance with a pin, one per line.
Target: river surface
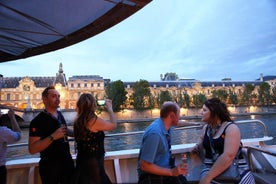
(123, 142)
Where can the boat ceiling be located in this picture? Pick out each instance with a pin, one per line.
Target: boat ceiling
(33, 27)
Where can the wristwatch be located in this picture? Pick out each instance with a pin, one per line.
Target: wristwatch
(51, 138)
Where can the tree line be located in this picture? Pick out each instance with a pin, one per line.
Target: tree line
(142, 98)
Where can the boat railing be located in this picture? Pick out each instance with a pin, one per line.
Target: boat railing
(120, 165)
(193, 125)
(260, 140)
(257, 121)
(262, 163)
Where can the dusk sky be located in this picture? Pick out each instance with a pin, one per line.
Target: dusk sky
(206, 40)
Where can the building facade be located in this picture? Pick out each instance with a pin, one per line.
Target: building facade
(25, 92)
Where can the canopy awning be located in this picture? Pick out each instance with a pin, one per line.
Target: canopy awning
(33, 27)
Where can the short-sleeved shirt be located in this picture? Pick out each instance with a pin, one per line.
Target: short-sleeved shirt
(155, 147)
(7, 136)
(43, 125)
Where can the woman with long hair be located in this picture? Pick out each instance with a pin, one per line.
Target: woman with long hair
(89, 135)
(220, 136)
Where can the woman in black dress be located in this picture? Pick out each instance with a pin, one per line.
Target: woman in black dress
(89, 135)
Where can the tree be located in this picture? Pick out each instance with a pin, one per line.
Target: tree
(247, 98)
(273, 95)
(164, 96)
(184, 100)
(117, 93)
(141, 95)
(233, 98)
(152, 101)
(199, 99)
(187, 100)
(221, 94)
(264, 94)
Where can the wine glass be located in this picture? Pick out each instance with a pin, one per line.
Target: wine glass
(65, 138)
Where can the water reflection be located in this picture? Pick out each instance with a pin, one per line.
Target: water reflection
(134, 141)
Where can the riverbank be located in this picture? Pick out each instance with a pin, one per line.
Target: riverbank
(192, 117)
(128, 115)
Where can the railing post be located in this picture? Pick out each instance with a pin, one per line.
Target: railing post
(31, 175)
(117, 170)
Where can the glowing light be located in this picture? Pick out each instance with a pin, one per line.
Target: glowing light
(232, 109)
(252, 109)
(58, 87)
(155, 112)
(252, 116)
(183, 111)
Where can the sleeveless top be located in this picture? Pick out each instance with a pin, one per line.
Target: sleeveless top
(92, 145)
(218, 143)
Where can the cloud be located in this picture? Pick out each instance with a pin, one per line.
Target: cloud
(210, 40)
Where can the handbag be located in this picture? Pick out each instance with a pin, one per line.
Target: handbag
(231, 174)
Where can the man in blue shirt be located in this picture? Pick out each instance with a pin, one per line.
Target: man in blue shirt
(155, 163)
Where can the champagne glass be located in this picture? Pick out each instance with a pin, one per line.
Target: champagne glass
(184, 159)
(65, 138)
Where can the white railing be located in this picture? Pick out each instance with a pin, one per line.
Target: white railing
(121, 166)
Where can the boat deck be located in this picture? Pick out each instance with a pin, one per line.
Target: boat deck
(121, 166)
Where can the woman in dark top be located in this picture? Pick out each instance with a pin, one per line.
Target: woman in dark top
(89, 135)
(225, 138)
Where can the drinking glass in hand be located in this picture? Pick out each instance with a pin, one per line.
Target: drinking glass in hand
(65, 138)
(184, 159)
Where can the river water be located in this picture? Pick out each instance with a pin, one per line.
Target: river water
(123, 142)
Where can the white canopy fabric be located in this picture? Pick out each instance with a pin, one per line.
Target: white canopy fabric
(33, 27)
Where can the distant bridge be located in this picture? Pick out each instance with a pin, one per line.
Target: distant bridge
(24, 116)
(11, 107)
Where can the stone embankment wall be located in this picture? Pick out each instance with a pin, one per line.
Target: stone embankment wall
(131, 115)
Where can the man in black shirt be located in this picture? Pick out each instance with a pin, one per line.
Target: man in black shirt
(47, 135)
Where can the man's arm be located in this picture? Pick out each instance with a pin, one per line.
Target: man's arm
(36, 144)
(155, 169)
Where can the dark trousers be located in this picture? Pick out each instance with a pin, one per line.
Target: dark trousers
(56, 172)
(3, 174)
(157, 179)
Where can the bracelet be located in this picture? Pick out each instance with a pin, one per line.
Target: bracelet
(51, 138)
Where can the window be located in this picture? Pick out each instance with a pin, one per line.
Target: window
(78, 85)
(8, 97)
(85, 85)
(72, 85)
